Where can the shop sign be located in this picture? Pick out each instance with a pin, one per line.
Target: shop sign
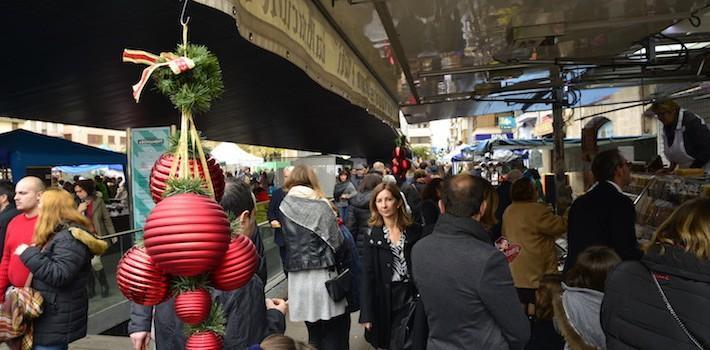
(544, 126)
(507, 123)
(145, 146)
(297, 31)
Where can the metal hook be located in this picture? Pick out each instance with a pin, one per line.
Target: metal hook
(184, 21)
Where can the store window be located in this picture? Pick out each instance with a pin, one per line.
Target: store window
(94, 139)
(111, 139)
(606, 130)
(420, 139)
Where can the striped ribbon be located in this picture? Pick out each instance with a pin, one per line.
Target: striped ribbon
(177, 64)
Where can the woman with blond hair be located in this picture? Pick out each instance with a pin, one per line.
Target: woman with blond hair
(387, 286)
(60, 262)
(663, 301)
(312, 238)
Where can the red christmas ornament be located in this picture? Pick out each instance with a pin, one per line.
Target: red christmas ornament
(238, 265)
(193, 307)
(187, 234)
(204, 341)
(395, 161)
(161, 170)
(139, 280)
(395, 170)
(406, 164)
(397, 152)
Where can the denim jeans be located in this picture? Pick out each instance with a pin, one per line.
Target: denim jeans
(51, 347)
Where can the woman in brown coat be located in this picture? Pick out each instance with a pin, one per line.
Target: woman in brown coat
(534, 227)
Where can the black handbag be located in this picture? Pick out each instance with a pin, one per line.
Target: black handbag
(339, 286)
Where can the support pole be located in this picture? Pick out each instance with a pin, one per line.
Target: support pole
(558, 133)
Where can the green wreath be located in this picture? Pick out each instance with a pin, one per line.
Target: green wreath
(195, 89)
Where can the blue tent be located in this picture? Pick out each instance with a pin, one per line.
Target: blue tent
(20, 149)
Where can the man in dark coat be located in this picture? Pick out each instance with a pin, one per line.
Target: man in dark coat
(604, 215)
(464, 281)
(250, 317)
(273, 216)
(7, 209)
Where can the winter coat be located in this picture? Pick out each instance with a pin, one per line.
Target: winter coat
(358, 216)
(534, 227)
(310, 230)
(248, 321)
(103, 226)
(350, 259)
(343, 188)
(60, 270)
(467, 290)
(273, 214)
(5, 216)
(602, 216)
(634, 315)
(376, 292)
(577, 316)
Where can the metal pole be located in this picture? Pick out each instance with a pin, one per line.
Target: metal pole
(558, 132)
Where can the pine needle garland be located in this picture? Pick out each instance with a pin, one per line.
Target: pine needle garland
(180, 284)
(174, 140)
(187, 185)
(195, 89)
(215, 322)
(234, 225)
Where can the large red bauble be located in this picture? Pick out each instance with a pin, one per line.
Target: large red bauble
(406, 164)
(139, 280)
(193, 307)
(397, 152)
(204, 341)
(395, 161)
(161, 170)
(395, 170)
(186, 234)
(238, 265)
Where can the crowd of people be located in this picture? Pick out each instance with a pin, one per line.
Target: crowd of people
(431, 261)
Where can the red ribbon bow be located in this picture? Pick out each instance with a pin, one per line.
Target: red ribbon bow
(177, 64)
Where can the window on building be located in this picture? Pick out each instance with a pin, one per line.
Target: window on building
(94, 139)
(606, 130)
(44, 131)
(420, 139)
(67, 136)
(15, 125)
(111, 139)
(123, 140)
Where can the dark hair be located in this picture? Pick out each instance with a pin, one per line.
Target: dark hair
(523, 190)
(591, 268)
(237, 197)
(490, 196)
(7, 188)
(605, 164)
(69, 187)
(87, 185)
(369, 182)
(419, 173)
(463, 195)
(430, 190)
(283, 342)
(344, 172)
(403, 218)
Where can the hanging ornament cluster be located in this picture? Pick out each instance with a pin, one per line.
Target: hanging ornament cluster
(188, 241)
(401, 158)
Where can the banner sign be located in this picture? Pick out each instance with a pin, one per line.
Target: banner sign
(145, 147)
(297, 31)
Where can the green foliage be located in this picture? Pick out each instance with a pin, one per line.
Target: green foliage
(195, 89)
(180, 284)
(422, 152)
(234, 225)
(139, 243)
(190, 185)
(214, 322)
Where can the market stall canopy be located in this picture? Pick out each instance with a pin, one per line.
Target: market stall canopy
(66, 67)
(231, 154)
(482, 147)
(22, 149)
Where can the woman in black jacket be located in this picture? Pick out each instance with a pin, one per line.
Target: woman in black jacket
(387, 286)
(430, 205)
(59, 260)
(634, 314)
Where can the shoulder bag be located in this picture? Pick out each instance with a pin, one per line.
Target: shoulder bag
(674, 314)
(22, 305)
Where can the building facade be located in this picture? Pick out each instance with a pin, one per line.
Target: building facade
(114, 140)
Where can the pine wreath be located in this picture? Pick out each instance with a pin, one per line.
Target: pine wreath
(195, 89)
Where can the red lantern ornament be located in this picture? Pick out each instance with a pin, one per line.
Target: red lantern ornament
(192, 307)
(161, 171)
(204, 341)
(187, 234)
(139, 279)
(238, 265)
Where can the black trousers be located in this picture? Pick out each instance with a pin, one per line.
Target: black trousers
(333, 334)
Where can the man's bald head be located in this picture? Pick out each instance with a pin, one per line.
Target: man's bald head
(27, 193)
(379, 167)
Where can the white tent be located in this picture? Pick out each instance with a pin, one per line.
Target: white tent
(230, 154)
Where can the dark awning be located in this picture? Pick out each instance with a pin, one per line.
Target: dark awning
(62, 63)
